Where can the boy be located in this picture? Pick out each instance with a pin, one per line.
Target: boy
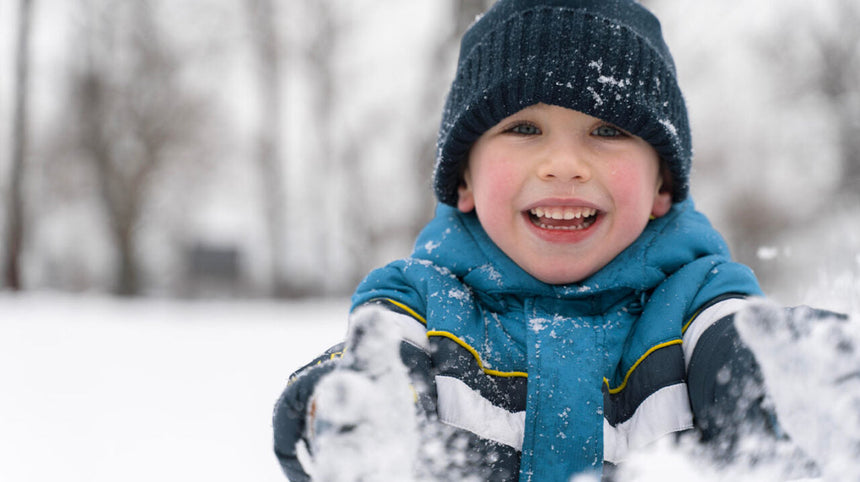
(567, 304)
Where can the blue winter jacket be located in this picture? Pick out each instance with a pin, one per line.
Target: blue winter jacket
(555, 380)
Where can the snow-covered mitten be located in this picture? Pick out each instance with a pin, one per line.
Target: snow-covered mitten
(811, 365)
(362, 420)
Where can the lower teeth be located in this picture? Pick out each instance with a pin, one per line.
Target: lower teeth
(563, 228)
(586, 223)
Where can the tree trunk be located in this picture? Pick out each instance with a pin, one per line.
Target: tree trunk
(463, 13)
(127, 269)
(268, 48)
(15, 217)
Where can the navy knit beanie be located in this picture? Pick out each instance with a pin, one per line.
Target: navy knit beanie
(605, 58)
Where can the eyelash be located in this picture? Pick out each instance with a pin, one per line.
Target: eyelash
(518, 127)
(533, 130)
(616, 131)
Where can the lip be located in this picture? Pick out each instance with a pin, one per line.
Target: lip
(561, 235)
(561, 202)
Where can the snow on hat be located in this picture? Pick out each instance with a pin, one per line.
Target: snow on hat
(605, 58)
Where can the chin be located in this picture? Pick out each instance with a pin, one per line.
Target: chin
(561, 278)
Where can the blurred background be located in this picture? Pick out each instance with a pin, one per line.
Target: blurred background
(256, 148)
(191, 190)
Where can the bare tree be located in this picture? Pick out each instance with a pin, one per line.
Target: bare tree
(14, 216)
(838, 78)
(366, 233)
(443, 59)
(320, 58)
(808, 83)
(816, 55)
(351, 235)
(267, 45)
(131, 111)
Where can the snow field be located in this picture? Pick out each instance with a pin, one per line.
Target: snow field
(97, 389)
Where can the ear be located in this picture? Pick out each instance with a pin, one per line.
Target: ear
(663, 197)
(466, 198)
(662, 204)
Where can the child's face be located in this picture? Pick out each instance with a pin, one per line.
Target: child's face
(560, 192)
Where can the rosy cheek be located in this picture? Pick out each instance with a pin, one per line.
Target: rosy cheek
(628, 188)
(620, 181)
(497, 182)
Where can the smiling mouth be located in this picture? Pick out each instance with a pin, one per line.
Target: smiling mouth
(565, 218)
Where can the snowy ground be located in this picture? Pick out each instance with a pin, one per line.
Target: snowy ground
(96, 389)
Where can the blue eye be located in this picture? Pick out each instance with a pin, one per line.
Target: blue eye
(525, 129)
(607, 130)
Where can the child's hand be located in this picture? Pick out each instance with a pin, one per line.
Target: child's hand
(361, 420)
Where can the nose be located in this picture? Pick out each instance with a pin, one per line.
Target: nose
(565, 161)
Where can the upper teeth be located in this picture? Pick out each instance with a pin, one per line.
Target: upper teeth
(563, 212)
